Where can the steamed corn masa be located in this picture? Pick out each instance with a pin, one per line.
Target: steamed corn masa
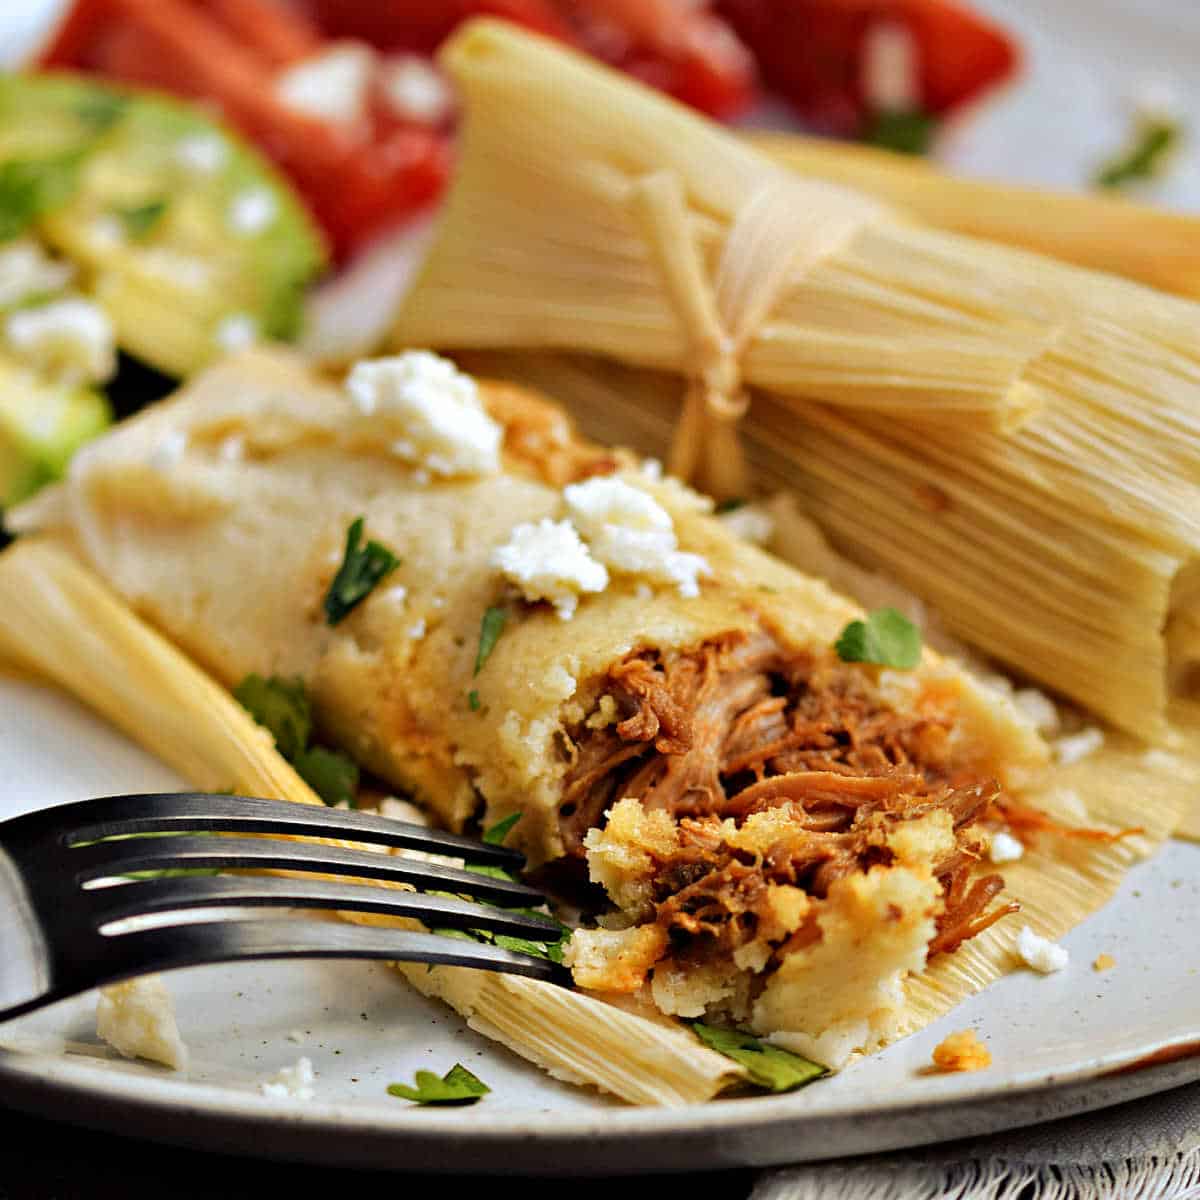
(745, 798)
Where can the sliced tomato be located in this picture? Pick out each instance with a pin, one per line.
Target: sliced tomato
(276, 31)
(674, 45)
(422, 25)
(355, 183)
(811, 51)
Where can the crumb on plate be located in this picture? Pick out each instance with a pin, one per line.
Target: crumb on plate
(1103, 962)
(961, 1051)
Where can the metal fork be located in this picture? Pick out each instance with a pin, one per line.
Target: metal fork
(61, 933)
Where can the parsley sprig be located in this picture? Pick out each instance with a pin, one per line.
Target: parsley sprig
(362, 568)
(457, 1086)
(282, 706)
(1144, 157)
(887, 637)
(490, 629)
(767, 1066)
(550, 950)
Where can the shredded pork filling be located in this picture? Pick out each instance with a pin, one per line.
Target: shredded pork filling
(740, 726)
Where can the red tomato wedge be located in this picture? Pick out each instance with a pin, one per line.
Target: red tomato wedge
(356, 182)
(811, 51)
(422, 25)
(677, 46)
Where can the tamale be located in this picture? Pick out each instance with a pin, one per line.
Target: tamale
(687, 722)
(1057, 538)
(1099, 231)
(61, 621)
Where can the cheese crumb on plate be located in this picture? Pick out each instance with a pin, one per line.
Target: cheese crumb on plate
(137, 1018)
(1041, 953)
(291, 1083)
(961, 1051)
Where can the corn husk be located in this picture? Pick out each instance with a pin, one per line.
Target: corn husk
(1101, 232)
(590, 214)
(61, 622)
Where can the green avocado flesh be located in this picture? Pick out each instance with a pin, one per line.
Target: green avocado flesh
(41, 426)
(178, 229)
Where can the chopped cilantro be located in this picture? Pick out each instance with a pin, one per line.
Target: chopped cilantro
(457, 1086)
(1144, 157)
(886, 637)
(498, 832)
(767, 1066)
(730, 505)
(473, 700)
(142, 218)
(904, 130)
(30, 187)
(281, 705)
(100, 109)
(490, 629)
(362, 568)
(331, 774)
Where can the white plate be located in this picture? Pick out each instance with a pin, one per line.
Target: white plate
(1061, 1044)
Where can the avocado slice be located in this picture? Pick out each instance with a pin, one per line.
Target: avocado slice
(41, 425)
(188, 238)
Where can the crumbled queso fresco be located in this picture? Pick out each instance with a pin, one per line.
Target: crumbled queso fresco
(611, 526)
(440, 422)
(291, 1083)
(71, 339)
(1005, 848)
(333, 85)
(630, 532)
(137, 1018)
(1041, 953)
(548, 561)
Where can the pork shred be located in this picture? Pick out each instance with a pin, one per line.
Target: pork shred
(739, 726)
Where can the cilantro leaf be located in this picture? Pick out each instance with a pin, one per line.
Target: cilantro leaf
(100, 110)
(331, 774)
(457, 1086)
(362, 568)
(490, 629)
(1144, 158)
(281, 705)
(768, 1066)
(730, 505)
(904, 130)
(142, 218)
(886, 637)
(473, 700)
(498, 832)
(30, 187)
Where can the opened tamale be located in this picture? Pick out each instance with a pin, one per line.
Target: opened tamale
(1047, 506)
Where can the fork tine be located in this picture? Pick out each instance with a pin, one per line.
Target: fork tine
(172, 895)
(154, 812)
(106, 859)
(230, 941)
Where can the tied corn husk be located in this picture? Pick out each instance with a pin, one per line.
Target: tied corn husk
(61, 622)
(1054, 531)
(1098, 231)
(1015, 559)
(590, 214)
(59, 619)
